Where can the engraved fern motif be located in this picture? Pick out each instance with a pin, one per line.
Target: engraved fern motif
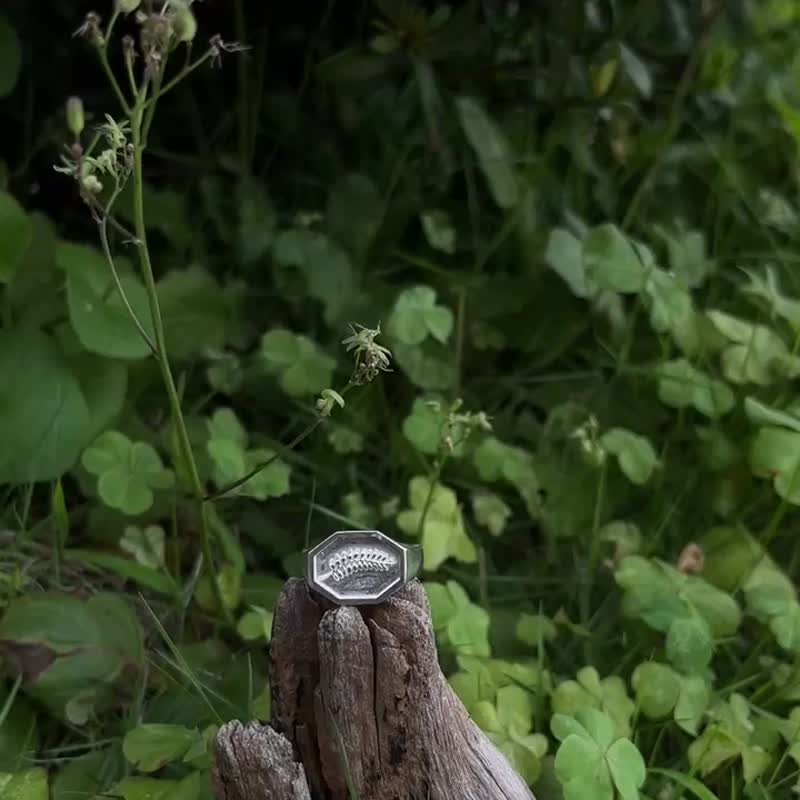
(357, 560)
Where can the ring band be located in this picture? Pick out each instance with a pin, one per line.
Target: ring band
(361, 567)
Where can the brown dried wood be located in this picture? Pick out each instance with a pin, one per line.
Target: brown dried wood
(360, 710)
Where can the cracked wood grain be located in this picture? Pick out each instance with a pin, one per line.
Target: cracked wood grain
(360, 709)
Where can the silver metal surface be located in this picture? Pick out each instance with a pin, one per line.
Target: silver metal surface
(361, 567)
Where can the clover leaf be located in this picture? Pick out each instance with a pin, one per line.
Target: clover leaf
(255, 624)
(436, 515)
(690, 645)
(613, 261)
(491, 511)
(730, 734)
(775, 454)
(496, 461)
(457, 621)
(662, 692)
(592, 760)
(151, 746)
(564, 255)
(299, 364)
(439, 230)
(671, 308)
(128, 472)
(756, 353)
(146, 545)
(636, 456)
(659, 594)
(325, 265)
(508, 724)
(424, 425)
(589, 691)
(228, 448)
(534, 629)
(681, 385)
(416, 316)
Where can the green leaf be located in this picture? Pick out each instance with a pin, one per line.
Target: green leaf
(612, 261)
(150, 747)
(255, 624)
(146, 545)
(427, 366)
(688, 782)
(70, 651)
(767, 289)
(689, 644)
(301, 366)
(681, 385)
(758, 355)
(325, 265)
(147, 577)
(695, 695)
(582, 771)
(196, 312)
(425, 424)
(496, 461)
(688, 259)
(30, 784)
(354, 213)
(435, 509)
(104, 384)
(44, 419)
(670, 303)
(775, 454)
(762, 414)
(590, 692)
(494, 153)
(417, 316)
(97, 312)
(19, 733)
(639, 75)
(627, 768)
(636, 456)
(16, 228)
(256, 220)
(10, 57)
(439, 230)
(227, 447)
(535, 629)
(128, 472)
(657, 688)
(491, 511)
(564, 255)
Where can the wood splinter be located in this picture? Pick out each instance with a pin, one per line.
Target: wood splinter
(360, 710)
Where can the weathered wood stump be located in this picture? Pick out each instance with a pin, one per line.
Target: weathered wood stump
(360, 710)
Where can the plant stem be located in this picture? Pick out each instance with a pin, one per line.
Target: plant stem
(184, 442)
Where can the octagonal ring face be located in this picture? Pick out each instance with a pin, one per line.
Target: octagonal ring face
(360, 567)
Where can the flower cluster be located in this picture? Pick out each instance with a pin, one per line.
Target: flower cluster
(371, 358)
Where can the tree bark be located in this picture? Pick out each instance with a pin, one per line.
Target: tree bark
(360, 710)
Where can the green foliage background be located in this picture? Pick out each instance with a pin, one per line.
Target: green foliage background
(576, 219)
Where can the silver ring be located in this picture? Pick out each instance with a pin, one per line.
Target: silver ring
(357, 568)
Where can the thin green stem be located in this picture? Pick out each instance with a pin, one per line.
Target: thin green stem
(112, 79)
(171, 84)
(231, 487)
(184, 442)
(102, 226)
(434, 480)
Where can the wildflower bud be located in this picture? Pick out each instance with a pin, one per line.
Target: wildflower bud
(75, 118)
(184, 24)
(127, 6)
